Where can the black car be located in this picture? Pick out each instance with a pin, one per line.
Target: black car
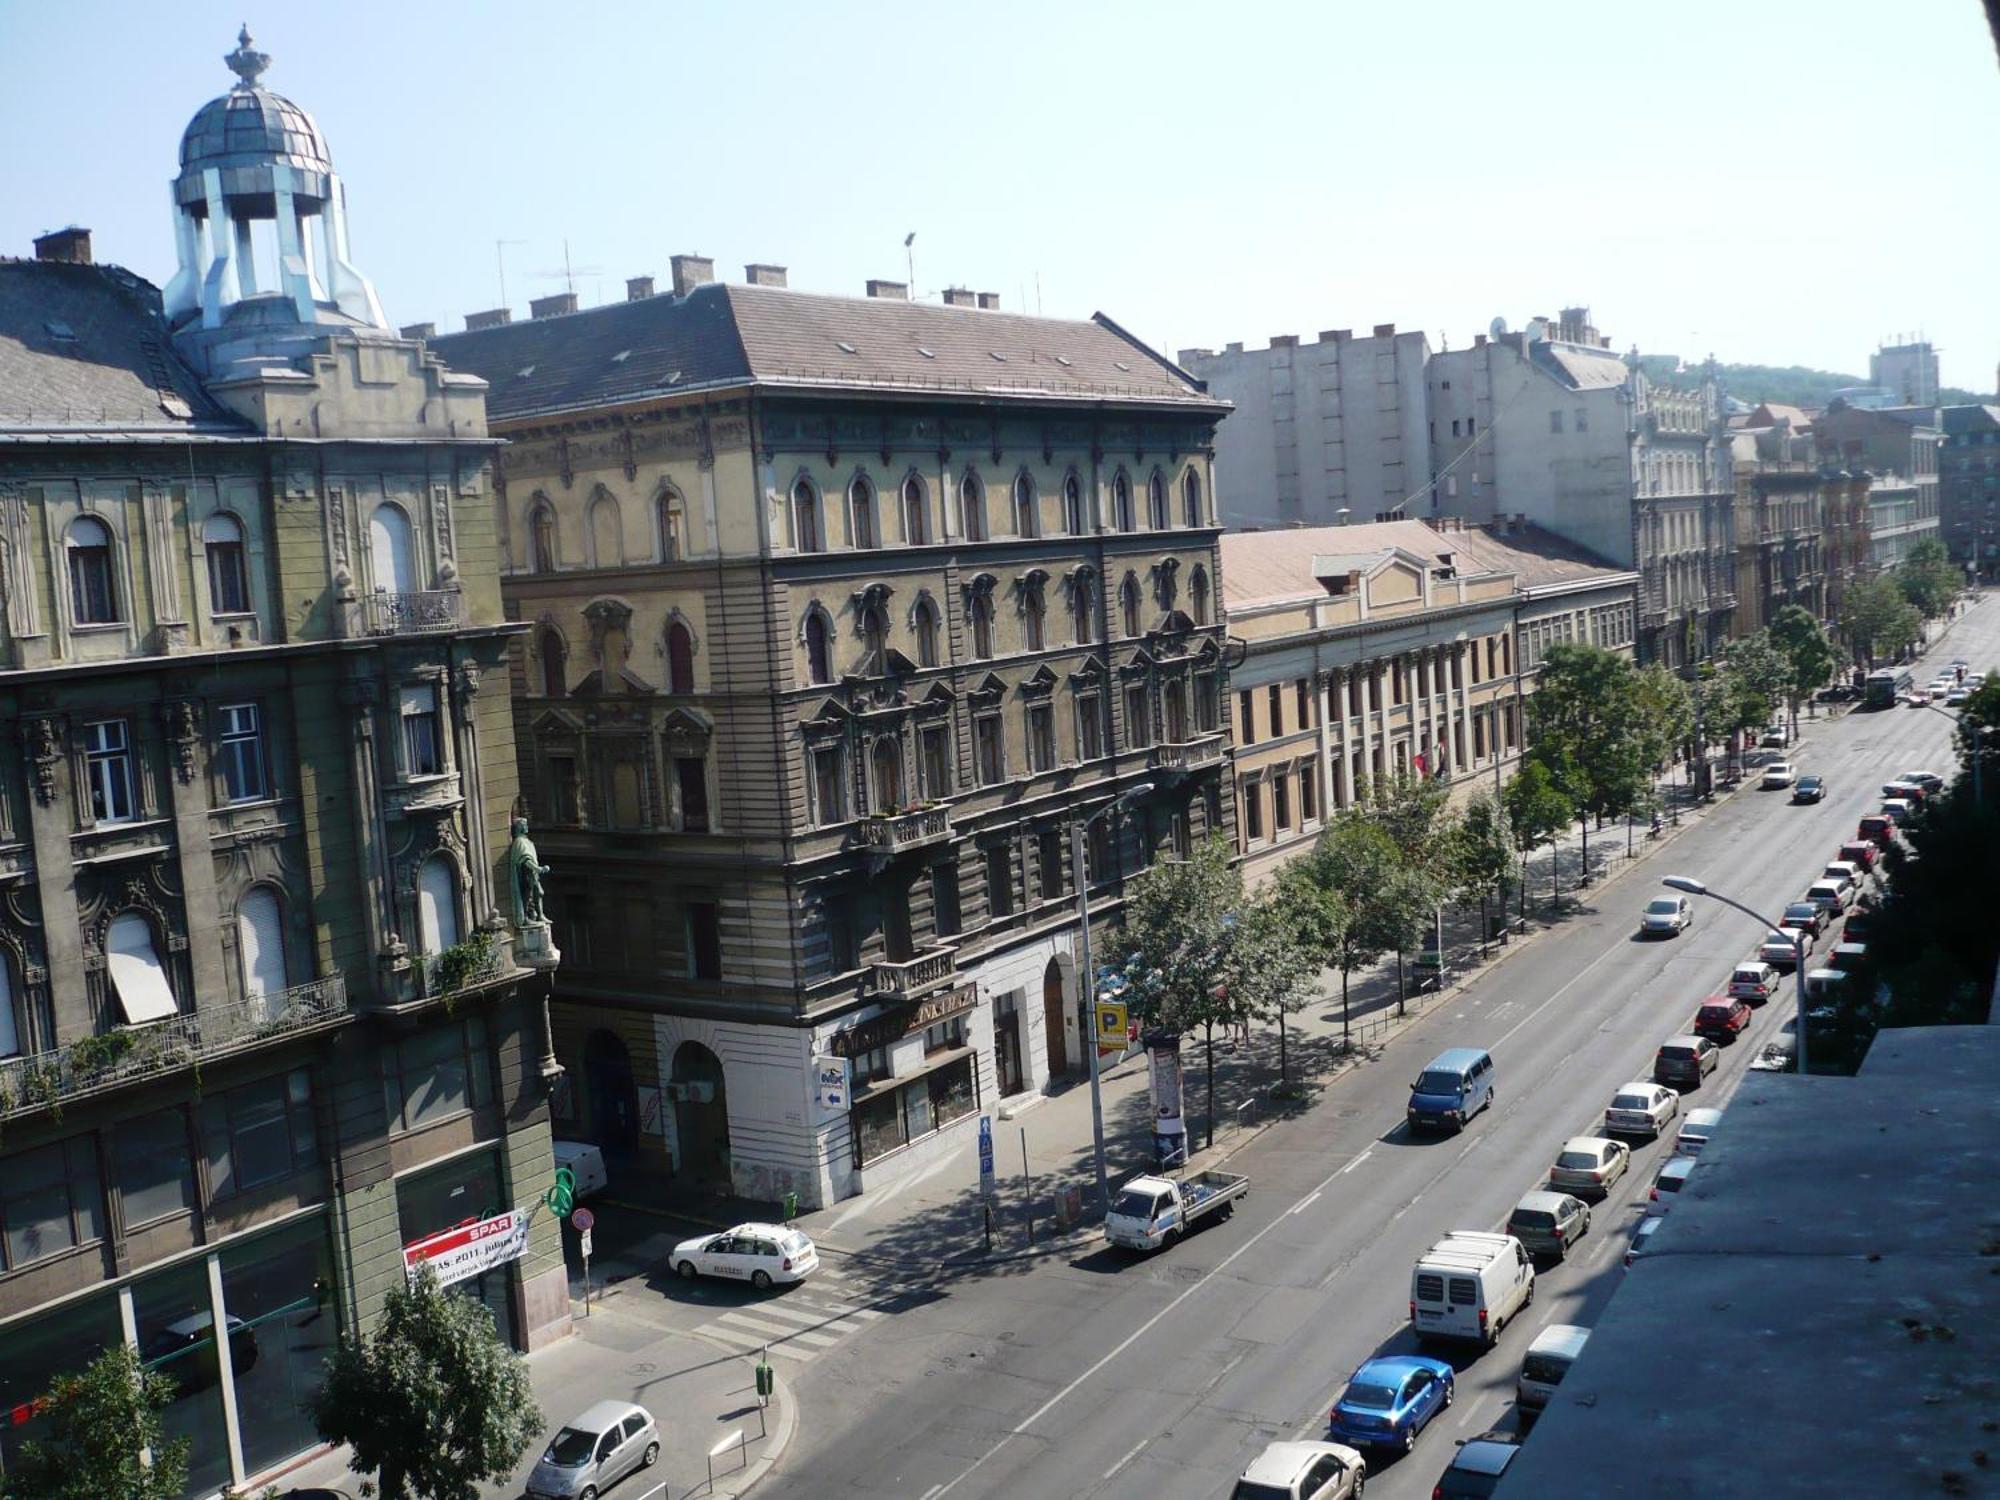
(1476, 1471)
(1809, 789)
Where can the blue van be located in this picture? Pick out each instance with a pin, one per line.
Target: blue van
(1456, 1086)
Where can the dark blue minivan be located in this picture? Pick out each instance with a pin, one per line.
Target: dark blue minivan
(1456, 1086)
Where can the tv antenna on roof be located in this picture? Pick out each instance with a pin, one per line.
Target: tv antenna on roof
(568, 274)
(910, 255)
(500, 256)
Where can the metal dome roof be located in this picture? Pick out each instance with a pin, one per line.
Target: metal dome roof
(247, 131)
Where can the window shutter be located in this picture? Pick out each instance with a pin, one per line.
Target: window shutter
(137, 977)
(260, 928)
(437, 905)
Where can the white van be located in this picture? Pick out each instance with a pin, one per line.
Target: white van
(1697, 1130)
(1469, 1286)
(1548, 1359)
(587, 1162)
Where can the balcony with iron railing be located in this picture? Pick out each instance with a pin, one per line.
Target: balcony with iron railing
(91, 1064)
(478, 961)
(893, 833)
(911, 978)
(1188, 755)
(410, 614)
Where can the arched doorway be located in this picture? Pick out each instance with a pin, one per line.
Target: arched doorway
(701, 1117)
(1054, 1006)
(614, 1099)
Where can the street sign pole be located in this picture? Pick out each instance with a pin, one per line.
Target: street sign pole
(986, 1178)
(584, 1221)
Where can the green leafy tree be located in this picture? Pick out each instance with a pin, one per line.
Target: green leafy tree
(1538, 810)
(1877, 620)
(1357, 860)
(1665, 720)
(1267, 970)
(95, 1424)
(1928, 578)
(1483, 853)
(1810, 657)
(1416, 813)
(1754, 678)
(1586, 726)
(434, 1405)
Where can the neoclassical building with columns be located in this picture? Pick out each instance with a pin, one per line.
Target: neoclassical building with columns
(1390, 649)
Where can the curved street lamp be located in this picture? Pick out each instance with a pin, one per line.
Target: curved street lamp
(1693, 887)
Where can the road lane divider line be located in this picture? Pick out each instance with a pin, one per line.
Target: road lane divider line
(1136, 1450)
(1355, 1163)
(1303, 1204)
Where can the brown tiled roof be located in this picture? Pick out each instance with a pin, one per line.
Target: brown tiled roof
(1270, 567)
(720, 335)
(1535, 557)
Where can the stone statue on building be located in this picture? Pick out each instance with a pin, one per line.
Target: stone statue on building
(525, 871)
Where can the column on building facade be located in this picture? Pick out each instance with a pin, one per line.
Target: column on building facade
(1354, 726)
(1324, 682)
(1463, 677)
(1382, 697)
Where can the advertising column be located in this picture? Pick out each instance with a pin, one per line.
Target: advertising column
(1163, 1057)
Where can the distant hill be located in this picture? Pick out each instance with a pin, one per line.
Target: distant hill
(1791, 385)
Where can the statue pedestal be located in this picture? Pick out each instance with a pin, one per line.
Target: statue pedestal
(534, 946)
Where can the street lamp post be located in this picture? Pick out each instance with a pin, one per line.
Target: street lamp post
(1693, 887)
(1080, 875)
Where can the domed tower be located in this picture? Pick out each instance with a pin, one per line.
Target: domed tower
(261, 229)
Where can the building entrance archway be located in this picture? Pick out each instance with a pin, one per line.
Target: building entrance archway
(701, 1118)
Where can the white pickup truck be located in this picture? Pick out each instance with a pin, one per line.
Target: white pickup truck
(1152, 1213)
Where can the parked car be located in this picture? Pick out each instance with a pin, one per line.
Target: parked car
(1905, 791)
(1722, 1019)
(1930, 781)
(1548, 1359)
(1777, 774)
(1302, 1471)
(1642, 1108)
(594, 1450)
(1779, 948)
(762, 1254)
(1673, 1177)
(1898, 811)
(1475, 1472)
(1753, 980)
(1642, 1239)
(1807, 915)
(1589, 1164)
(1389, 1400)
(1862, 852)
(1831, 896)
(1878, 828)
(1861, 922)
(1844, 869)
(1698, 1127)
(1957, 696)
(1810, 789)
(1776, 737)
(1847, 957)
(1773, 1057)
(1666, 916)
(586, 1164)
(1549, 1223)
(1469, 1285)
(1684, 1061)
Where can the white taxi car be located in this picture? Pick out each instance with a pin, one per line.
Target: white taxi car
(765, 1255)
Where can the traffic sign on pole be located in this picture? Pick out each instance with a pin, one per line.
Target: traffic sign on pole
(583, 1219)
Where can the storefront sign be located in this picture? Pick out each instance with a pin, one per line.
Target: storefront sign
(894, 1025)
(467, 1251)
(831, 1089)
(1111, 1024)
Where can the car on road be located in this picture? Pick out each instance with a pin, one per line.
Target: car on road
(594, 1450)
(1302, 1471)
(1641, 1108)
(1549, 1223)
(1930, 781)
(1457, 1085)
(1666, 916)
(1697, 1127)
(1475, 1472)
(1778, 773)
(1844, 869)
(1807, 915)
(1898, 811)
(1810, 788)
(1831, 896)
(1779, 948)
(1589, 1164)
(1469, 1285)
(1722, 1019)
(1847, 957)
(1753, 980)
(1773, 1057)
(1862, 922)
(1642, 1239)
(1673, 1177)
(765, 1255)
(1878, 828)
(1905, 791)
(1776, 737)
(1389, 1400)
(1917, 697)
(1862, 852)
(1548, 1359)
(1957, 696)
(1684, 1061)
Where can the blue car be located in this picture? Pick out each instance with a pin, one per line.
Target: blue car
(1388, 1401)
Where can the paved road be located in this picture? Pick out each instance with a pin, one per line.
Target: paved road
(1108, 1376)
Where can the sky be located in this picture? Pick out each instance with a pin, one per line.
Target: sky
(1778, 182)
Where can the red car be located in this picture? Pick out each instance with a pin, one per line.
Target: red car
(1861, 852)
(1879, 828)
(1721, 1019)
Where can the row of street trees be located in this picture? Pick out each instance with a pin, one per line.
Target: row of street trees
(1883, 616)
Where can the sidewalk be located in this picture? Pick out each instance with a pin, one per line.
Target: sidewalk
(700, 1396)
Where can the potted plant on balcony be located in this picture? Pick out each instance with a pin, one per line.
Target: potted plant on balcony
(462, 963)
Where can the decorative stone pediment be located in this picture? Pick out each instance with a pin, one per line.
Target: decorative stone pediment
(990, 688)
(1042, 683)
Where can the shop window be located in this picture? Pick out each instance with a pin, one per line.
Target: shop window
(259, 1133)
(173, 1314)
(895, 1117)
(153, 1168)
(38, 1350)
(49, 1203)
(277, 1300)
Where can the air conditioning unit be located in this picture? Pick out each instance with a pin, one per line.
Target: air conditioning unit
(691, 1093)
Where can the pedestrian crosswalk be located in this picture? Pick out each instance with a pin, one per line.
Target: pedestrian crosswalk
(798, 1323)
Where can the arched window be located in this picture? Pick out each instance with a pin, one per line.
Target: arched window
(673, 528)
(1033, 618)
(1198, 595)
(1156, 502)
(982, 625)
(542, 540)
(680, 658)
(861, 499)
(819, 658)
(1191, 498)
(1121, 503)
(138, 978)
(392, 547)
(1083, 609)
(1129, 603)
(806, 533)
(437, 904)
(607, 532)
(926, 622)
(886, 765)
(916, 518)
(228, 584)
(1025, 507)
(874, 639)
(93, 596)
(972, 506)
(549, 647)
(10, 1025)
(1072, 505)
(260, 938)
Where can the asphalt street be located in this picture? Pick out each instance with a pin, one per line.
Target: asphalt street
(1108, 1375)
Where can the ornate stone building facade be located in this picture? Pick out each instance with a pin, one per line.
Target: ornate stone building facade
(842, 611)
(263, 1021)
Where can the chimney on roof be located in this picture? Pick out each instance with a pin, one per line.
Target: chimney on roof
(989, 301)
(1479, 341)
(1284, 341)
(418, 330)
(895, 291)
(1233, 348)
(71, 246)
(499, 317)
(958, 296)
(691, 271)
(1340, 335)
(762, 275)
(638, 288)
(552, 306)
(1385, 330)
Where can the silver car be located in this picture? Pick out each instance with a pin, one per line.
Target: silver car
(595, 1450)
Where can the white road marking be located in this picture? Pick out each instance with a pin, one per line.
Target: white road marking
(1125, 1460)
(1355, 1163)
(1303, 1204)
(865, 1202)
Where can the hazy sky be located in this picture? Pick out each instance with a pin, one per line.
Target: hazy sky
(1769, 180)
